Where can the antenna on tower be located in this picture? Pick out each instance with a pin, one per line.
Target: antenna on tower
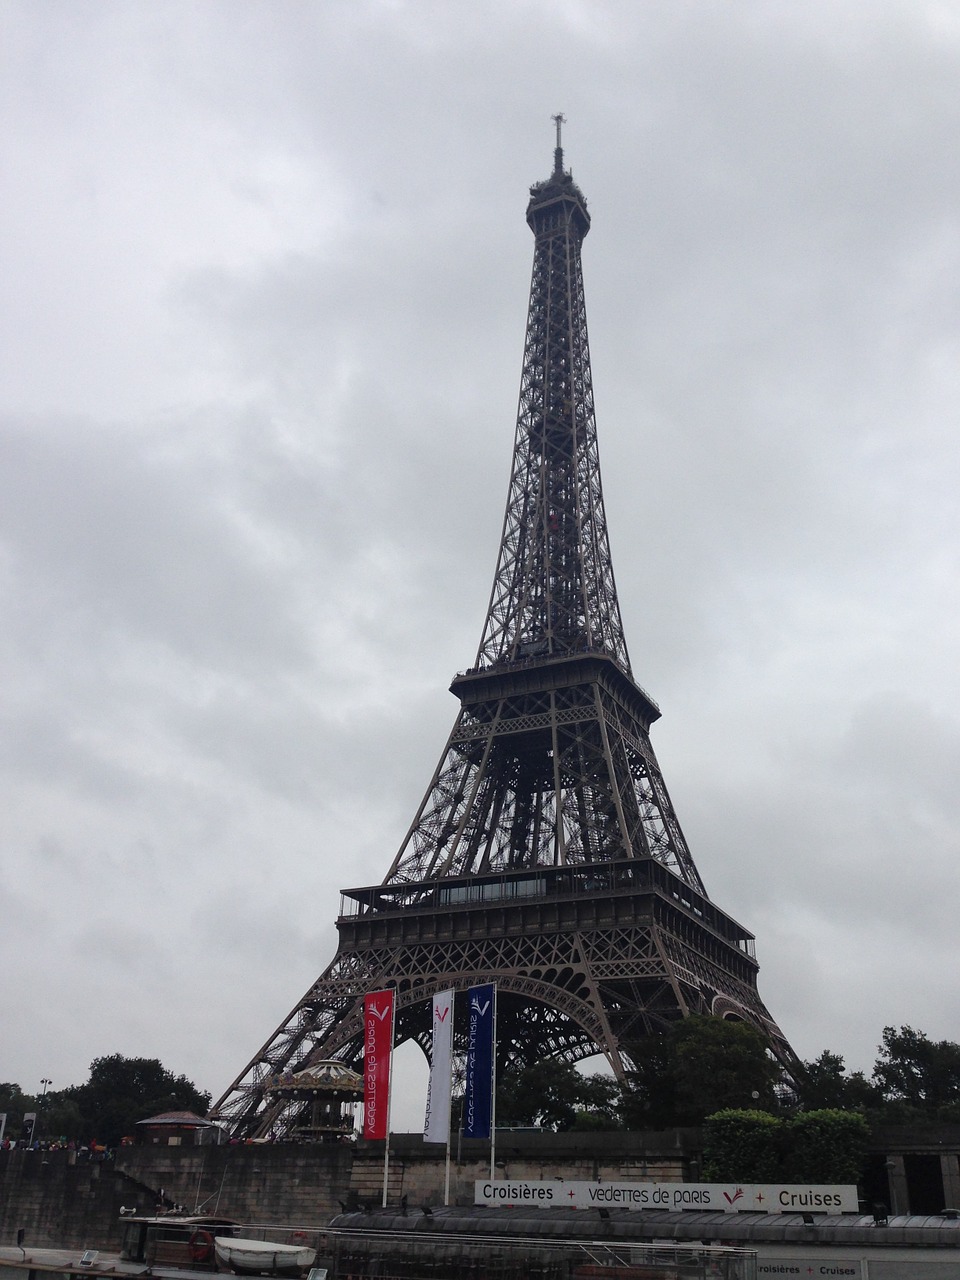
(559, 119)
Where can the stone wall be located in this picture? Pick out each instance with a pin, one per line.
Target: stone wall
(292, 1185)
(417, 1170)
(61, 1199)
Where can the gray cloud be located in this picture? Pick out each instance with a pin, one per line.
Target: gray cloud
(266, 278)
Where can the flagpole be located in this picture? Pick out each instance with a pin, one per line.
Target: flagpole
(386, 1141)
(446, 1174)
(493, 1091)
(446, 1171)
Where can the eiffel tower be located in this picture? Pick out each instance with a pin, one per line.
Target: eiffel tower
(546, 855)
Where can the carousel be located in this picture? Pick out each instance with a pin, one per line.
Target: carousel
(329, 1092)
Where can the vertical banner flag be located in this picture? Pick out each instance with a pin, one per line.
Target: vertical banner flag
(3, 1123)
(377, 1045)
(436, 1124)
(478, 1095)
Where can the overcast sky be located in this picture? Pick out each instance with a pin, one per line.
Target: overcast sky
(265, 274)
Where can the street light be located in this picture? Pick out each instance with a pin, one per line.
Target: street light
(43, 1097)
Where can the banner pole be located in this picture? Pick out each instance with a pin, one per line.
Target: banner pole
(446, 1171)
(386, 1141)
(493, 1092)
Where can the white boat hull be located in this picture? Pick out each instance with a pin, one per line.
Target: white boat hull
(262, 1257)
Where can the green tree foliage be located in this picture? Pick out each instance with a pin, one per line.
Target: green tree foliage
(825, 1146)
(58, 1115)
(554, 1095)
(122, 1091)
(60, 1118)
(11, 1096)
(699, 1066)
(13, 1103)
(914, 1079)
(742, 1146)
(599, 1103)
(119, 1092)
(824, 1085)
(650, 1097)
(916, 1072)
(721, 1063)
(813, 1146)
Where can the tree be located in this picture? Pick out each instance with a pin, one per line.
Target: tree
(722, 1063)
(553, 1095)
(57, 1114)
(119, 1092)
(599, 1103)
(61, 1118)
(122, 1091)
(700, 1065)
(11, 1096)
(824, 1085)
(917, 1071)
(825, 1146)
(650, 1098)
(13, 1103)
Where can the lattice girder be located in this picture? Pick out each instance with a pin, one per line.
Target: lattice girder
(548, 771)
(553, 588)
(610, 966)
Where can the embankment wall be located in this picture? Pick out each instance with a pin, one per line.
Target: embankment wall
(59, 1198)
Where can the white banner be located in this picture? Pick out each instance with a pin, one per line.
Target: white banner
(436, 1124)
(712, 1196)
(3, 1123)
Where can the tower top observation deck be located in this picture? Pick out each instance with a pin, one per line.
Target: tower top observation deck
(557, 194)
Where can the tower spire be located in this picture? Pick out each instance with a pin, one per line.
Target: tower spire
(559, 119)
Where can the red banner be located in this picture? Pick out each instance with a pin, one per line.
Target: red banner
(377, 1046)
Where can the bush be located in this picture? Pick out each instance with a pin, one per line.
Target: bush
(825, 1146)
(812, 1147)
(742, 1146)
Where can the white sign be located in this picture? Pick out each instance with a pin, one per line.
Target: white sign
(812, 1266)
(708, 1196)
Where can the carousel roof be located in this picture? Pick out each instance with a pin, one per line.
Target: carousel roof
(330, 1077)
(180, 1119)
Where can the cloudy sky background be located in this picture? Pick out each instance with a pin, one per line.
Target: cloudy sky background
(265, 276)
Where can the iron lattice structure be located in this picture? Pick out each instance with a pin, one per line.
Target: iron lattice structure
(546, 855)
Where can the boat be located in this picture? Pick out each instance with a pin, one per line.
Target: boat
(171, 1239)
(262, 1257)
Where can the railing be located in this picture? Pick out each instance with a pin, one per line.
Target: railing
(405, 1255)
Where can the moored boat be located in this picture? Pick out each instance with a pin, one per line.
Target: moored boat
(262, 1257)
(172, 1240)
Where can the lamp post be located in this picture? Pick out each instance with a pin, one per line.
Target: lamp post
(43, 1097)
